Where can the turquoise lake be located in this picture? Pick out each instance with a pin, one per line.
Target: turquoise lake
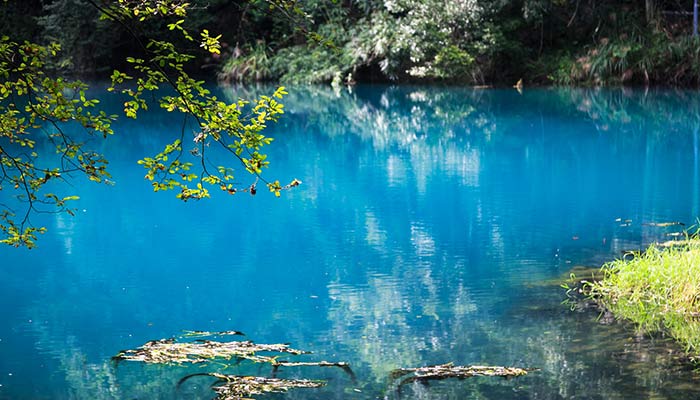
(433, 225)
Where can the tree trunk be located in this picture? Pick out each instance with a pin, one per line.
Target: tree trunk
(695, 18)
(650, 10)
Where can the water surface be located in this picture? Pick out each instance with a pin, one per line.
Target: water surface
(428, 229)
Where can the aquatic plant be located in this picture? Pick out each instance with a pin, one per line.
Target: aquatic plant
(658, 290)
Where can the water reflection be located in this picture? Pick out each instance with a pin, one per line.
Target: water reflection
(426, 217)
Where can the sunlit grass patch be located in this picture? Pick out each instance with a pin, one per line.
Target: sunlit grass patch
(659, 290)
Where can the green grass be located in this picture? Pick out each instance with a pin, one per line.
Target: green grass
(658, 290)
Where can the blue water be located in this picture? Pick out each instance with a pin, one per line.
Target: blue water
(431, 227)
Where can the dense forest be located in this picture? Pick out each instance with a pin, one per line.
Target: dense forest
(581, 42)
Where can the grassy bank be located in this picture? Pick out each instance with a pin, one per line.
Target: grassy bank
(659, 290)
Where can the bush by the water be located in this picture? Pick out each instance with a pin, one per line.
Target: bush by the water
(659, 290)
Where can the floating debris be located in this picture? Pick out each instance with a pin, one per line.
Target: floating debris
(677, 243)
(209, 334)
(310, 364)
(168, 351)
(624, 223)
(519, 86)
(229, 387)
(663, 224)
(236, 387)
(342, 365)
(450, 370)
(445, 371)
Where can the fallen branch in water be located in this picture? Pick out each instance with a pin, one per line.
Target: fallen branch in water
(229, 387)
(456, 371)
(236, 387)
(168, 351)
(342, 365)
(663, 224)
(445, 371)
(209, 334)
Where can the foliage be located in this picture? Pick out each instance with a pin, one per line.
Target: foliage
(403, 40)
(644, 58)
(465, 41)
(428, 39)
(250, 64)
(657, 290)
(19, 19)
(161, 44)
(76, 27)
(477, 42)
(625, 49)
(315, 62)
(35, 105)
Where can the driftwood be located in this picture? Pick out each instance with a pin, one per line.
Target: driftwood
(236, 387)
(209, 334)
(456, 371)
(445, 371)
(342, 365)
(664, 224)
(229, 387)
(678, 243)
(168, 351)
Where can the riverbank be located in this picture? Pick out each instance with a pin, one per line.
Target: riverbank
(658, 290)
(604, 43)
